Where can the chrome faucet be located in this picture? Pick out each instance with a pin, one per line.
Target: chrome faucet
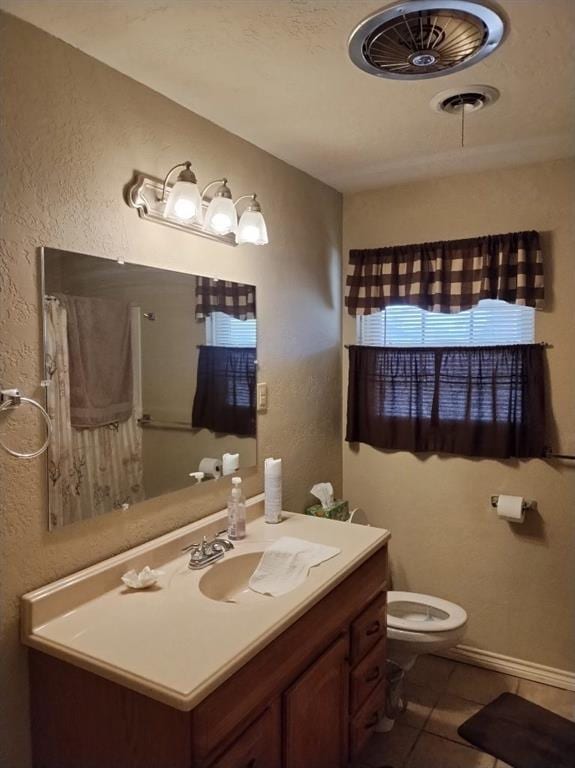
(208, 551)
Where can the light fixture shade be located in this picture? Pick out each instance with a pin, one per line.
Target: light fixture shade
(252, 228)
(221, 216)
(184, 202)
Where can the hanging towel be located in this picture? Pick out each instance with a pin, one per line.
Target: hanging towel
(286, 564)
(100, 364)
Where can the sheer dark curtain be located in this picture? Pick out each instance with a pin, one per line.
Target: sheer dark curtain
(472, 401)
(225, 399)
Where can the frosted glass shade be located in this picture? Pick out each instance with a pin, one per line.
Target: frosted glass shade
(221, 217)
(184, 202)
(252, 229)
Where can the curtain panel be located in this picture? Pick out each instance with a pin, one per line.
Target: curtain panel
(225, 399)
(447, 276)
(479, 401)
(90, 471)
(235, 299)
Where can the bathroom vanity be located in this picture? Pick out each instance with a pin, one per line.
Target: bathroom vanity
(201, 672)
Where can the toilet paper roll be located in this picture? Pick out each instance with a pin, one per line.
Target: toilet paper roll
(511, 508)
(211, 467)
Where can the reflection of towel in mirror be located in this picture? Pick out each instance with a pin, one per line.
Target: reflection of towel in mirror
(100, 359)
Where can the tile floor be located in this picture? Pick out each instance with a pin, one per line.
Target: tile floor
(442, 694)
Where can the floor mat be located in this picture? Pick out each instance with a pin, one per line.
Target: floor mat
(522, 734)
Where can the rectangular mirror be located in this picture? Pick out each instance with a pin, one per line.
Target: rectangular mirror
(151, 376)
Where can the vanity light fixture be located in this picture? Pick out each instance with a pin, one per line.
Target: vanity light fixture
(185, 207)
(252, 226)
(183, 201)
(221, 216)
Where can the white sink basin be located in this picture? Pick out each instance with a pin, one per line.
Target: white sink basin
(227, 580)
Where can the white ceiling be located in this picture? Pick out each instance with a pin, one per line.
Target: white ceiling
(277, 73)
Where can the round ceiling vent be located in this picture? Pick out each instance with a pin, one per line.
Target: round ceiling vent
(418, 39)
(470, 97)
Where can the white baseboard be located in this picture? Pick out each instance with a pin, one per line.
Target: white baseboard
(527, 670)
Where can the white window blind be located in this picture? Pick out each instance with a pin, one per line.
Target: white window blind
(226, 331)
(490, 322)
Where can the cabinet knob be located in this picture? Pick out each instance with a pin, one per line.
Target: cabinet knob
(372, 721)
(373, 628)
(372, 675)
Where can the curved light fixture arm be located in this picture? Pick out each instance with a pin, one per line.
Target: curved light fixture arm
(247, 197)
(187, 165)
(223, 181)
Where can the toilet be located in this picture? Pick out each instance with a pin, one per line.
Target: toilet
(418, 624)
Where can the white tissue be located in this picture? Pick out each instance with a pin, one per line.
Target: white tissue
(230, 463)
(286, 563)
(323, 492)
(273, 490)
(142, 580)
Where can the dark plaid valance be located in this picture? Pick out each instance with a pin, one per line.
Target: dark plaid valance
(448, 276)
(234, 299)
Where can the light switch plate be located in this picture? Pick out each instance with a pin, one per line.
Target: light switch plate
(262, 397)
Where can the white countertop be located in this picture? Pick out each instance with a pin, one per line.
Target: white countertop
(171, 642)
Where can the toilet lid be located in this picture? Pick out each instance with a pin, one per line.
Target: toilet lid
(414, 612)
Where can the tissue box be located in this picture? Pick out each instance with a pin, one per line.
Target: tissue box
(339, 510)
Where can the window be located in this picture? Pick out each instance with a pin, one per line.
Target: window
(490, 322)
(223, 330)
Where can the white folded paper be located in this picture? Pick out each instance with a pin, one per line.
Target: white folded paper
(286, 563)
(142, 580)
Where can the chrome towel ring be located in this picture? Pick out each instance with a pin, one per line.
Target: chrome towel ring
(11, 398)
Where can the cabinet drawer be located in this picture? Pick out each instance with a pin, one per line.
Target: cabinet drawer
(367, 675)
(366, 719)
(368, 629)
(259, 746)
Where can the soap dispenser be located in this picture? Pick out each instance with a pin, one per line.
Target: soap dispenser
(236, 511)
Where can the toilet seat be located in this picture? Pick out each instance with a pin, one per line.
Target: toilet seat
(414, 612)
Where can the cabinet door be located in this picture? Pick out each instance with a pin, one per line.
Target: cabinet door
(316, 712)
(259, 746)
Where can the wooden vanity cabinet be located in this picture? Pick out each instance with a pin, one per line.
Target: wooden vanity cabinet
(308, 699)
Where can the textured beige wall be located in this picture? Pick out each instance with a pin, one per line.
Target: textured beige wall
(517, 583)
(72, 133)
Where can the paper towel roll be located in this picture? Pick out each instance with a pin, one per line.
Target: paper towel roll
(273, 490)
(211, 467)
(230, 463)
(510, 508)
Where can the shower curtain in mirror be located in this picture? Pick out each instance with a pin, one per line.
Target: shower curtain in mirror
(90, 471)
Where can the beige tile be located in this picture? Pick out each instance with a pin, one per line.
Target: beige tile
(420, 702)
(389, 749)
(434, 752)
(449, 713)
(556, 699)
(431, 672)
(481, 685)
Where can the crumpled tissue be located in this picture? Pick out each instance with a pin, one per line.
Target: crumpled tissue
(142, 580)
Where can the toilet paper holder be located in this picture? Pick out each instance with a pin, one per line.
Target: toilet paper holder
(524, 506)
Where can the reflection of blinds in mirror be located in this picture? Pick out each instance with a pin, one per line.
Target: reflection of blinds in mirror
(226, 331)
(490, 322)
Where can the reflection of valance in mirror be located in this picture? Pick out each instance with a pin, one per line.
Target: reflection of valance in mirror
(100, 359)
(225, 399)
(236, 299)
